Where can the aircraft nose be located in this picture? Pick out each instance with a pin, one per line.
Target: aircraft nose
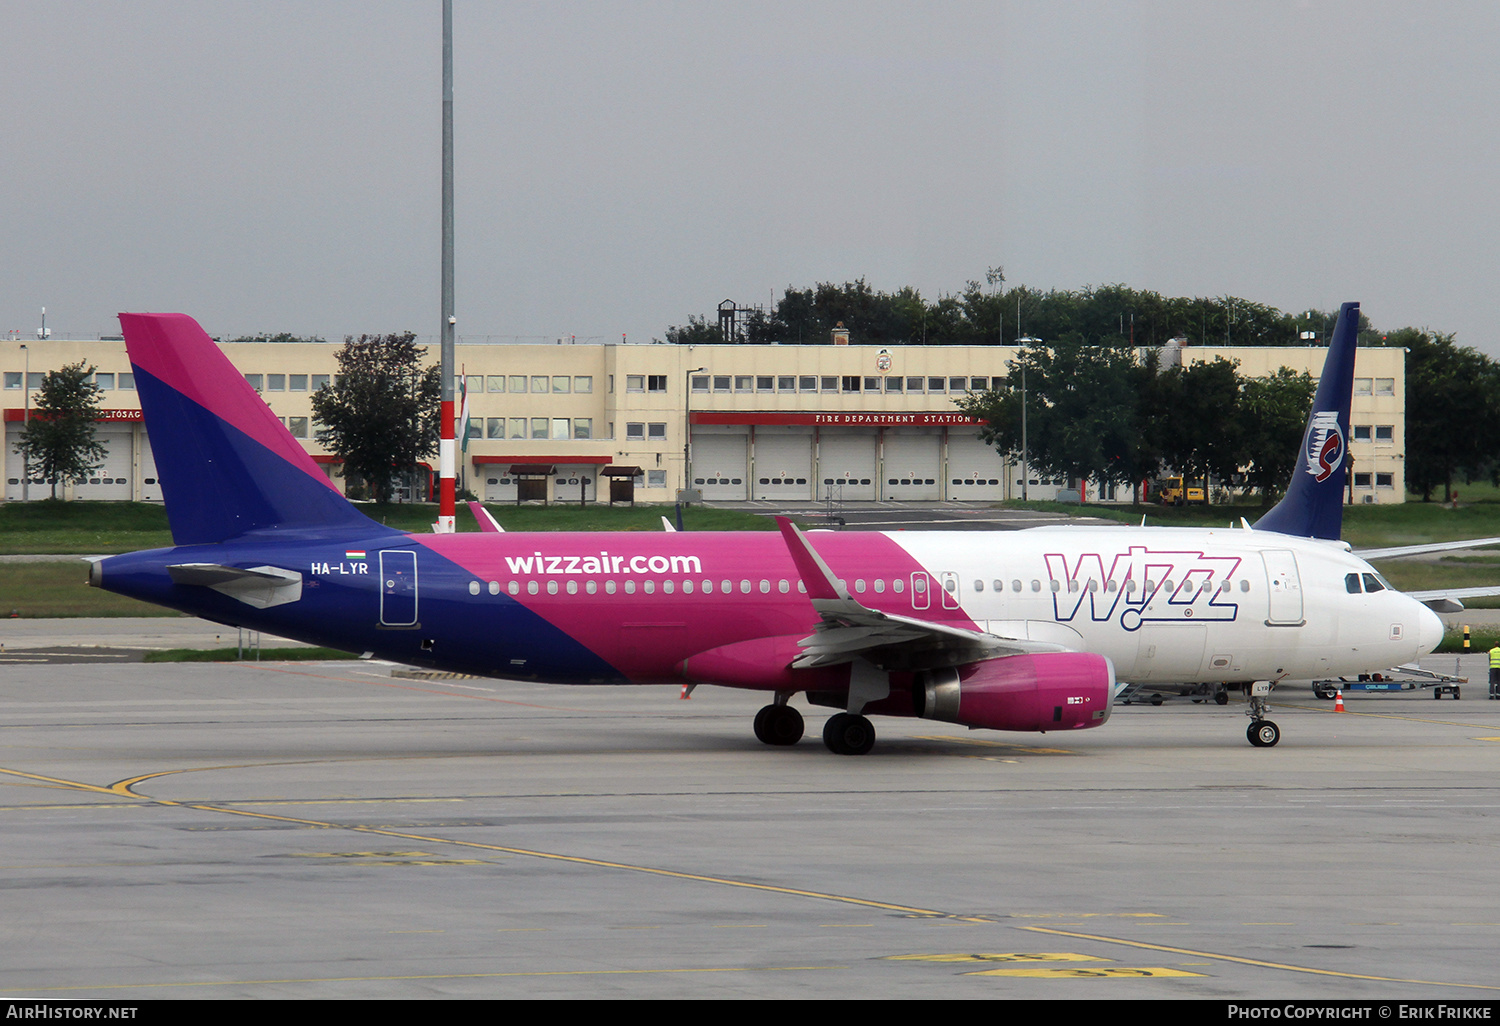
(1429, 630)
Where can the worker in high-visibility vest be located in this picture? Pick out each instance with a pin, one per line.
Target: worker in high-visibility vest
(1495, 671)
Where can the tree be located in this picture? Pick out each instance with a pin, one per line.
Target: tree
(1082, 413)
(380, 414)
(59, 441)
(1451, 415)
(1197, 421)
(1275, 411)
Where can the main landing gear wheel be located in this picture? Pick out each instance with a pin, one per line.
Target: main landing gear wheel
(845, 734)
(1263, 734)
(778, 725)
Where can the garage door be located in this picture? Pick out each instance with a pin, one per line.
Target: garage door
(846, 463)
(719, 461)
(783, 463)
(913, 463)
(975, 470)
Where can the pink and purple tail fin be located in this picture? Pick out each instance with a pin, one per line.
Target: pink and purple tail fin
(226, 464)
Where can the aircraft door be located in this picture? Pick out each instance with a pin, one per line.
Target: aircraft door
(398, 589)
(1285, 586)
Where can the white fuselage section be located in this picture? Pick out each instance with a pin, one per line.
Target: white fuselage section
(1181, 605)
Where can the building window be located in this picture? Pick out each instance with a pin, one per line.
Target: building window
(764, 383)
(562, 383)
(656, 479)
(1385, 480)
(13, 379)
(656, 382)
(635, 382)
(979, 384)
(700, 383)
(744, 382)
(936, 386)
(518, 427)
(583, 383)
(828, 383)
(786, 383)
(539, 427)
(539, 383)
(518, 383)
(893, 384)
(1385, 433)
(807, 383)
(255, 381)
(562, 427)
(495, 383)
(1385, 386)
(104, 381)
(1361, 480)
(583, 427)
(476, 427)
(635, 432)
(656, 431)
(297, 426)
(721, 382)
(958, 384)
(127, 381)
(494, 427)
(275, 382)
(851, 383)
(317, 381)
(297, 383)
(1362, 386)
(1360, 432)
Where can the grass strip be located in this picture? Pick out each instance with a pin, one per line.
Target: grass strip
(228, 655)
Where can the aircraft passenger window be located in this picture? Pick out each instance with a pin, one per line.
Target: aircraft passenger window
(801, 587)
(919, 584)
(897, 585)
(609, 587)
(1093, 586)
(1372, 584)
(744, 587)
(1072, 585)
(667, 587)
(592, 587)
(687, 587)
(765, 586)
(572, 587)
(708, 587)
(1015, 585)
(551, 587)
(726, 586)
(650, 587)
(1244, 585)
(950, 586)
(1056, 586)
(473, 587)
(531, 588)
(1036, 585)
(1130, 586)
(1111, 586)
(784, 587)
(859, 585)
(880, 585)
(1223, 587)
(1351, 583)
(514, 588)
(978, 585)
(630, 587)
(494, 587)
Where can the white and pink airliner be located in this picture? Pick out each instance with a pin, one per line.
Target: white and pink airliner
(1027, 630)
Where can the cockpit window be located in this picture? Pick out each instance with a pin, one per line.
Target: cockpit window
(1351, 583)
(1373, 583)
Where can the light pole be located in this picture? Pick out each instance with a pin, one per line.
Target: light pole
(25, 459)
(1025, 469)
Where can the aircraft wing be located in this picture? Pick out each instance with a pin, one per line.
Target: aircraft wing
(1449, 600)
(1397, 551)
(487, 523)
(849, 630)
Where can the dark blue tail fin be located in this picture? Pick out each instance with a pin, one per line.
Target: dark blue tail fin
(1313, 506)
(226, 464)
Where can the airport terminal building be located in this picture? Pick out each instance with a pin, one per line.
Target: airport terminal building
(571, 422)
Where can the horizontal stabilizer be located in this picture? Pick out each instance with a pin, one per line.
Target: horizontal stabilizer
(258, 586)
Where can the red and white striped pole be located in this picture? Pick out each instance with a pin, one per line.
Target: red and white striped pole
(447, 456)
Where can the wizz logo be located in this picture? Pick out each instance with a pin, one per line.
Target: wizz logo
(1142, 586)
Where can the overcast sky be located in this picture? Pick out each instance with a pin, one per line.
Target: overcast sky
(274, 166)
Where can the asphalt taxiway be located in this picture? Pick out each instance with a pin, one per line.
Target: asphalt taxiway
(325, 830)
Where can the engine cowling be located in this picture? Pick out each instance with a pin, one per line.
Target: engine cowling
(1042, 692)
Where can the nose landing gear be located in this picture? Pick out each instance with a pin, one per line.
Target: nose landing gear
(1262, 732)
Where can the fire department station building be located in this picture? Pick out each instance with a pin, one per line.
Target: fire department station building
(734, 422)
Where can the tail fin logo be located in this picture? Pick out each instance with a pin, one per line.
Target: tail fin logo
(1325, 445)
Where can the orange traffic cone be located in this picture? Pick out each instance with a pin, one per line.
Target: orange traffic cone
(687, 693)
(1338, 700)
